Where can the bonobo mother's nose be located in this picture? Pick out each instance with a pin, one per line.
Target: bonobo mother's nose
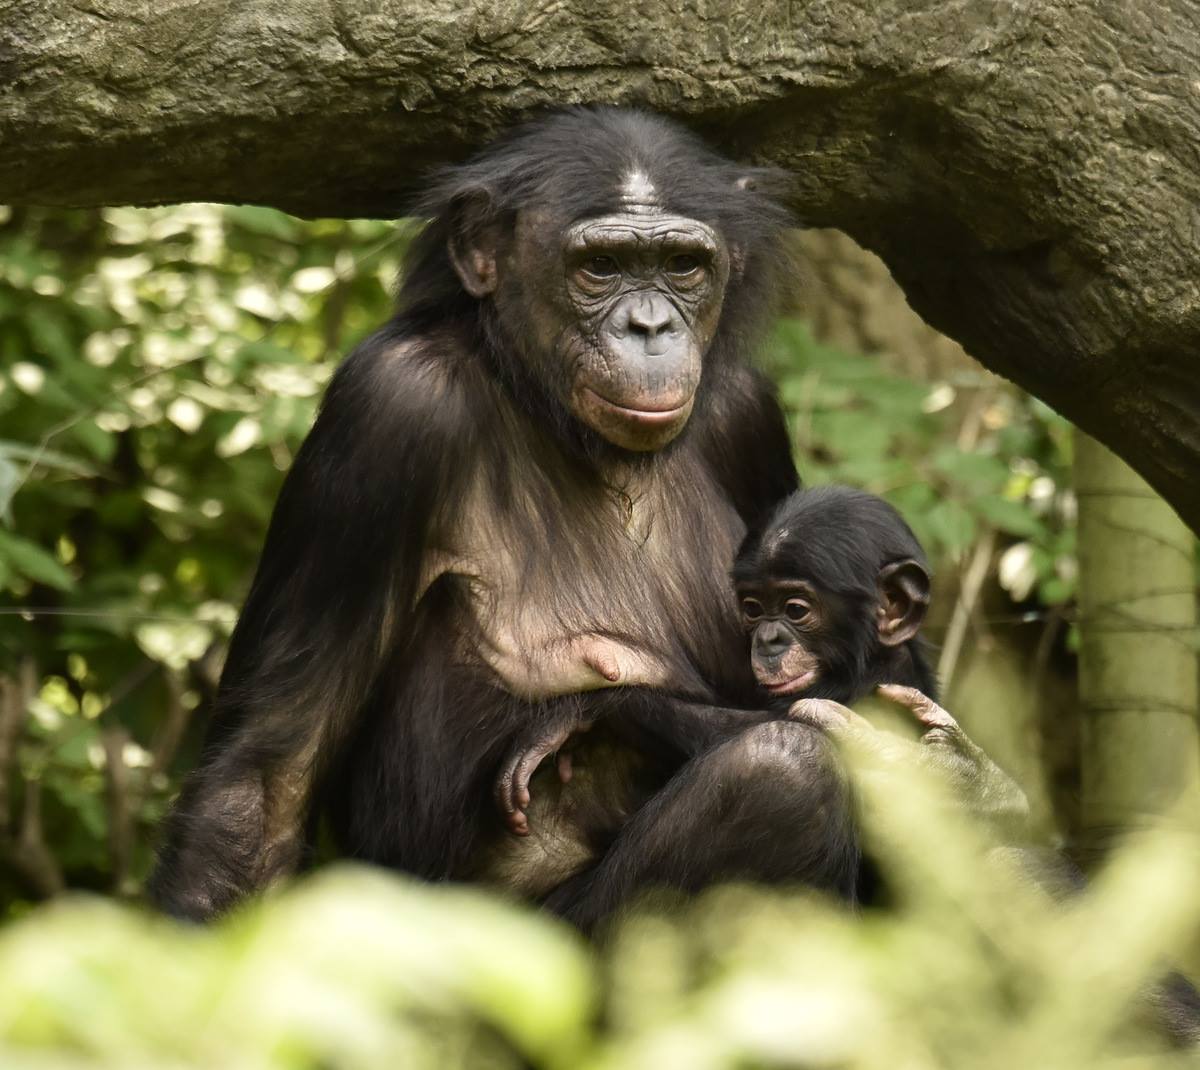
(650, 316)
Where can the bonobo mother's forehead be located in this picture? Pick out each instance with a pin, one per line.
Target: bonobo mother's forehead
(587, 164)
(642, 230)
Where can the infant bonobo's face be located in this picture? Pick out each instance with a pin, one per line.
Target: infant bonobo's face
(829, 589)
(785, 620)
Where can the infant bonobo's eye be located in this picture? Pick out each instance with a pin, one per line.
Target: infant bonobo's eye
(796, 610)
(600, 267)
(751, 608)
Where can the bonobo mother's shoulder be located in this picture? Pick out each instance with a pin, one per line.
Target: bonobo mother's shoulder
(745, 439)
(393, 378)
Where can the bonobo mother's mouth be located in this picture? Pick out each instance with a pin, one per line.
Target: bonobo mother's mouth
(790, 687)
(649, 416)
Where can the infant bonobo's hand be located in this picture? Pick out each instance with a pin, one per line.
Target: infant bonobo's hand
(528, 752)
(983, 786)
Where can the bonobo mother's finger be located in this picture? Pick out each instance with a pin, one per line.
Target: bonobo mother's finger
(823, 713)
(512, 782)
(921, 706)
(505, 794)
(837, 720)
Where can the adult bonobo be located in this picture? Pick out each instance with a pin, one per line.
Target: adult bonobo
(517, 509)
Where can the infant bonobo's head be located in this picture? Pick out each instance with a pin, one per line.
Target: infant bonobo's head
(832, 590)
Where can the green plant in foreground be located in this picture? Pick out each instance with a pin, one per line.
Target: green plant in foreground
(973, 967)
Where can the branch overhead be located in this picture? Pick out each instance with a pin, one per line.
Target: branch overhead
(1031, 173)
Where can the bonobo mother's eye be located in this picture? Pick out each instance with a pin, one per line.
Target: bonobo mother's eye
(796, 610)
(684, 264)
(600, 267)
(751, 608)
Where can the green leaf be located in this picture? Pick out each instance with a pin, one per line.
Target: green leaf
(100, 444)
(1010, 517)
(45, 458)
(1055, 590)
(30, 560)
(852, 434)
(10, 479)
(952, 525)
(52, 339)
(265, 221)
(979, 473)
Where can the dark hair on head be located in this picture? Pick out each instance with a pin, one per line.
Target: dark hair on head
(843, 534)
(574, 162)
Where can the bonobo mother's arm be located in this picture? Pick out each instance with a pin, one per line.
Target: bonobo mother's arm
(647, 719)
(339, 574)
(747, 444)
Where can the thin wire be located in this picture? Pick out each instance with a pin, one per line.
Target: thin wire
(36, 612)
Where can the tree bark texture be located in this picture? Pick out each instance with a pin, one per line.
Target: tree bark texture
(1137, 656)
(1030, 172)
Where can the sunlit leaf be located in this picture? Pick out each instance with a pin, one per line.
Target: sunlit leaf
(29, 559)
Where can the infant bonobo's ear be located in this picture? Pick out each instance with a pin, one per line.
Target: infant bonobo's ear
(474, 239)
(903, 599)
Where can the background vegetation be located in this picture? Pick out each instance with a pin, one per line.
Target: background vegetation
(158, 368)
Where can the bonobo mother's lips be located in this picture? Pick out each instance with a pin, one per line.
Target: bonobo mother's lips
(647, 417)
(790, 687)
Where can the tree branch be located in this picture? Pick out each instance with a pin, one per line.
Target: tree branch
(29, 854)
(120, 807)
(1029, 172)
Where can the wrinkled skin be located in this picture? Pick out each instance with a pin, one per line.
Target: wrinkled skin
(983, 788)
(617, 314)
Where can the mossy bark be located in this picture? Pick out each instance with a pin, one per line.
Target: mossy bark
(1138, 662)
(1029, 172)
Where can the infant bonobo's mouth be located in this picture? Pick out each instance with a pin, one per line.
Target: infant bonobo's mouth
(789, 686)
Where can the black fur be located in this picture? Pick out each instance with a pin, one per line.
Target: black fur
(355, 686)
(839, 539)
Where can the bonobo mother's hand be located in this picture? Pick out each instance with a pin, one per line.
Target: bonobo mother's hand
(525, 755)
(985, 789)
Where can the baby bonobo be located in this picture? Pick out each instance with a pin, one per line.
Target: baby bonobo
(833, 589)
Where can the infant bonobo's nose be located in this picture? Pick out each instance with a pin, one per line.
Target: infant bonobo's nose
(771, 639)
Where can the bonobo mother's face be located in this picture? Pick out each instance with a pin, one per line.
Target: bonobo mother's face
(613, 312)
(642, 298)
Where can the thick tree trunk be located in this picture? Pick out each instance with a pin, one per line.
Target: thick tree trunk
(1030, 172)
(1137, 657)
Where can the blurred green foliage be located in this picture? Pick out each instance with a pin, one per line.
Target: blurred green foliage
(157, 370)
(973, 968)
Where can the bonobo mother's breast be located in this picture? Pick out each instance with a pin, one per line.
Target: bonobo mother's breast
(624, 584)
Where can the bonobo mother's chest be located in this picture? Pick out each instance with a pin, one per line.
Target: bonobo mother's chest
(576, 587)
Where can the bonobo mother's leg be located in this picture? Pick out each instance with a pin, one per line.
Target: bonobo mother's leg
(769, 805)
(238, 824)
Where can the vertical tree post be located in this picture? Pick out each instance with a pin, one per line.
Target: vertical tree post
(1137, 659)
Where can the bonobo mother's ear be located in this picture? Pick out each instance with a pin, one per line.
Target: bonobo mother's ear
(474, 241)
(903, 599)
